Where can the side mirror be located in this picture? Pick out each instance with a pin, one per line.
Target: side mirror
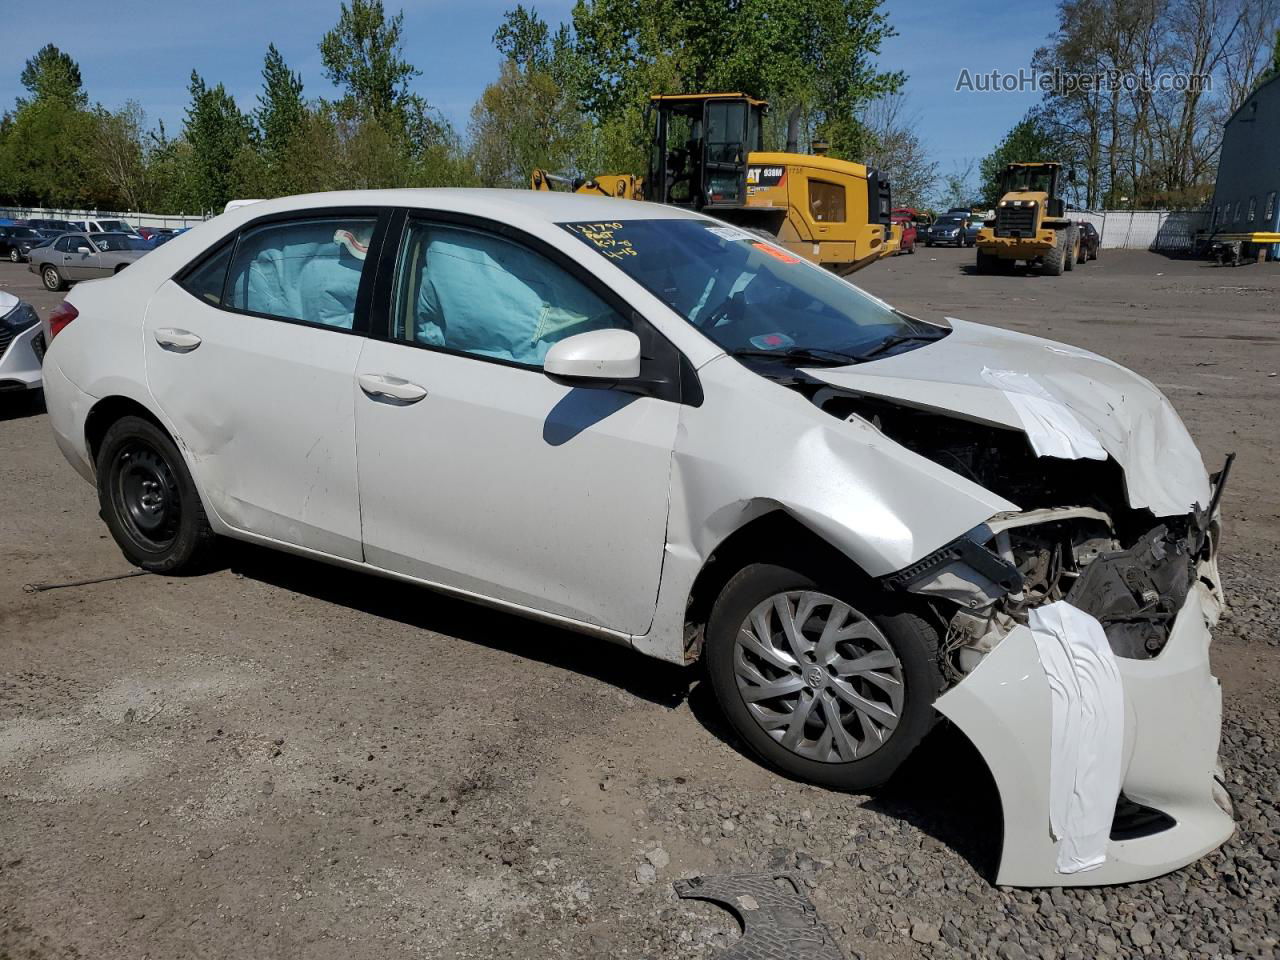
(83, 249)
(597, 358)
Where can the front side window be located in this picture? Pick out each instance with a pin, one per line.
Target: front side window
(306, 270)
(471, 291)
(826, 201)
(750, 297)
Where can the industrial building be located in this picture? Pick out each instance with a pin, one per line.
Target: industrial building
(1245, 207)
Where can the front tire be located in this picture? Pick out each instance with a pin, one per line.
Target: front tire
(52, 279)
(1055, 259)
(831, 687)
(148, 499)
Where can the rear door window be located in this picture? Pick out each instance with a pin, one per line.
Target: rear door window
(208, 278)
(303, 270)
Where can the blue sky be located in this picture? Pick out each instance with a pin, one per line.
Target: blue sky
(145, 50)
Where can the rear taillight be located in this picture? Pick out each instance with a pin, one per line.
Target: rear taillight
(62, 314)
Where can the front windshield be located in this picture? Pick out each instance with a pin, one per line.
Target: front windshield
(119, 241)
(1022, 180)
(746, 294)
(948, 222)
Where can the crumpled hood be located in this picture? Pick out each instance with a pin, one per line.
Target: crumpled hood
(1071, 403)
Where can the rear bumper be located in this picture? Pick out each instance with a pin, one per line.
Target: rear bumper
(20, 363)
(68, 408)
(1173, 719)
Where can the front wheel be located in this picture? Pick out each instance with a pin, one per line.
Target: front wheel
(148, 499)
(52, 279)
(14, 255)
(827, 686)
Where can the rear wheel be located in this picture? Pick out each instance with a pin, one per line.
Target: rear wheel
(14, 255)
(52, 279)
(148, 499)
(822, 683)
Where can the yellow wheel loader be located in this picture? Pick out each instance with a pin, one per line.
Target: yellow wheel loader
(706, 154)
(1030, 223)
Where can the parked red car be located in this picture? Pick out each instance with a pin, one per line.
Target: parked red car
(908, 224)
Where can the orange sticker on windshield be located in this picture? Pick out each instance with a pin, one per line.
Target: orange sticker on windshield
(776, 253)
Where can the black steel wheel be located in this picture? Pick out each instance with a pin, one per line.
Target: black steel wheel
(148, 499)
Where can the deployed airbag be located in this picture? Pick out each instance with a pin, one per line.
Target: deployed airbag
(1087, 711)
(485, 295)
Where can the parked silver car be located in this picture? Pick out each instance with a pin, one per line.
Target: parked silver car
(78, 256)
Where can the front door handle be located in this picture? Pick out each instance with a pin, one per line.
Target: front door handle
(177, 341)
(385, 387)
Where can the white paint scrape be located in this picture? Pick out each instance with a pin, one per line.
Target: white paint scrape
(1087, 708)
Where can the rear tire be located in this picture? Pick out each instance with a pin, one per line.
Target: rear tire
(52, 279)
(149, 501)
(867, 698)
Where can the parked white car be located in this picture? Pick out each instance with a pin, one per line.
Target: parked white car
(21, 345)
(106, 225)
(652, 427)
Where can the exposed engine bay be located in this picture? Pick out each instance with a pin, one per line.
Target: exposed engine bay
(1075, 538)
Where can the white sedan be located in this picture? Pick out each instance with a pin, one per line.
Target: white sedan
(665, 431)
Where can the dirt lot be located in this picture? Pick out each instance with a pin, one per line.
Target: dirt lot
(285, 760)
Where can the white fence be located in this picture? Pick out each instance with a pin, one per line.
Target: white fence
(1169, 230)
(136, 219)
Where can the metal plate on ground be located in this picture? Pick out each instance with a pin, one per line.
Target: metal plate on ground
(778, 921)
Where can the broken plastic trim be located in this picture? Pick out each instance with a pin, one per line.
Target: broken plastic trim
(968, 550)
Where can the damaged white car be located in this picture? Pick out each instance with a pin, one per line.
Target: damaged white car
(647, 425)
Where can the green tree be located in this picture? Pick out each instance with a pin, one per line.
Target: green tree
(362, 54)
(53, 75)
(1030, 141)
(217, 133)
(280, 112)
(529, 116)
(818, 55)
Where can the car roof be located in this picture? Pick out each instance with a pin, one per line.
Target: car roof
(547, 206)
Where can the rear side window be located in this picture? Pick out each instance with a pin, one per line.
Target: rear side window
(305, 270)
(826, 201)
(206, 281)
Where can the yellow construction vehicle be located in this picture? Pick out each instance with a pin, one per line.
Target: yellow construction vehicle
(706, 154)
(1030, 223)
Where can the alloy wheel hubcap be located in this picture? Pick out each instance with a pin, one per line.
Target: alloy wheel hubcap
(819, 677)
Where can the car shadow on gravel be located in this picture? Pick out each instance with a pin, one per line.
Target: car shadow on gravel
(20, 404)
(653, 680)
(943, 789)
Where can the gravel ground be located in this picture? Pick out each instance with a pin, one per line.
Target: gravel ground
(281, 759)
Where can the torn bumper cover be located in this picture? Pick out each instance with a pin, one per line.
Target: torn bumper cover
(1173, 810)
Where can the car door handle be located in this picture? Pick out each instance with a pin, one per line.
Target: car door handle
(177, 341)
(393, 389)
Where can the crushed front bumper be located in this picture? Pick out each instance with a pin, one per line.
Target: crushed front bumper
(1173, 719)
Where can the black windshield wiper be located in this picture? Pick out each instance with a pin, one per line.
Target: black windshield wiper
(897, 339)
(800, 355)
